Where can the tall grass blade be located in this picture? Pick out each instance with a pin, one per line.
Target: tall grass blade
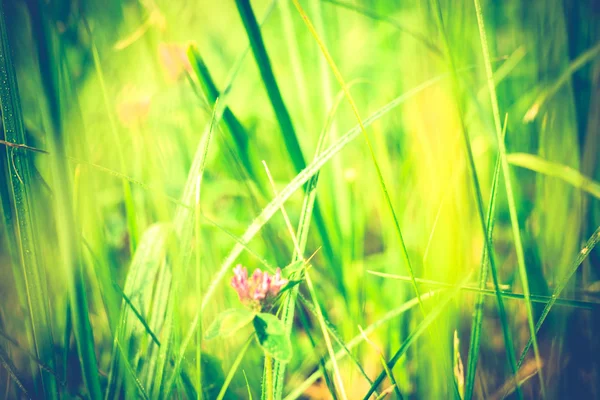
(20, 167)
(303, 228)
(565, 77)
(512, 207)
(313, 294)
(346, 90)
(283, 117)
(483, 277)
(234, 367)
(185, 228)
(475, 180)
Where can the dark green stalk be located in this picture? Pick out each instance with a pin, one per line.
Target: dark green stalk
(20, 167)
(283, 118)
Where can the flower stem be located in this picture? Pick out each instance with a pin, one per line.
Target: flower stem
(269, 376)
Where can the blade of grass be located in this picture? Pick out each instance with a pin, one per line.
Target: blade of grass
(322, 363)
(12, 371)
(387, 370)
(247, 386)
(346, 90)
(565, 77)
(234, 367)
(234, 126)
(144, 269)
(217, 113)
(313, 293)
(20, 172)
(580, 304)
(303, 228)
(476, 185)
(283, 118)
(556, 170)
(512, 207)
(337, 337)
(560, 286)
(473, 354)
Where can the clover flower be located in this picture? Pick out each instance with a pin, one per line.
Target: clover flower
(259, 289)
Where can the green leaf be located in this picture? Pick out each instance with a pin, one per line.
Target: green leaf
(271, 335)
(229, 322)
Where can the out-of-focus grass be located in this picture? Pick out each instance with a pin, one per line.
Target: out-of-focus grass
(114, 261)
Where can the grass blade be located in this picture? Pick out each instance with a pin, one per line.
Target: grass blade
(283, 117)
(371, 151)
(580, 304)
(475, 180)
(12, 371)
(483, 277)
(556, 170)
(585, 251)
(512, 207)
(234, 367)
(313, 294)
(20, 169)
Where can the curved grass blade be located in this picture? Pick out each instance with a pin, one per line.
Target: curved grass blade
(580, 304)
(565, 77)
(585, 251)
(512, 207)
(322, 363)
(556, 170)
(387, 370)
(138, 291)
(185, 231)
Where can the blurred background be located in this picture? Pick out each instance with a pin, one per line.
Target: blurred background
(107, 255)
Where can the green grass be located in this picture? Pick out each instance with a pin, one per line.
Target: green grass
(425, 173)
